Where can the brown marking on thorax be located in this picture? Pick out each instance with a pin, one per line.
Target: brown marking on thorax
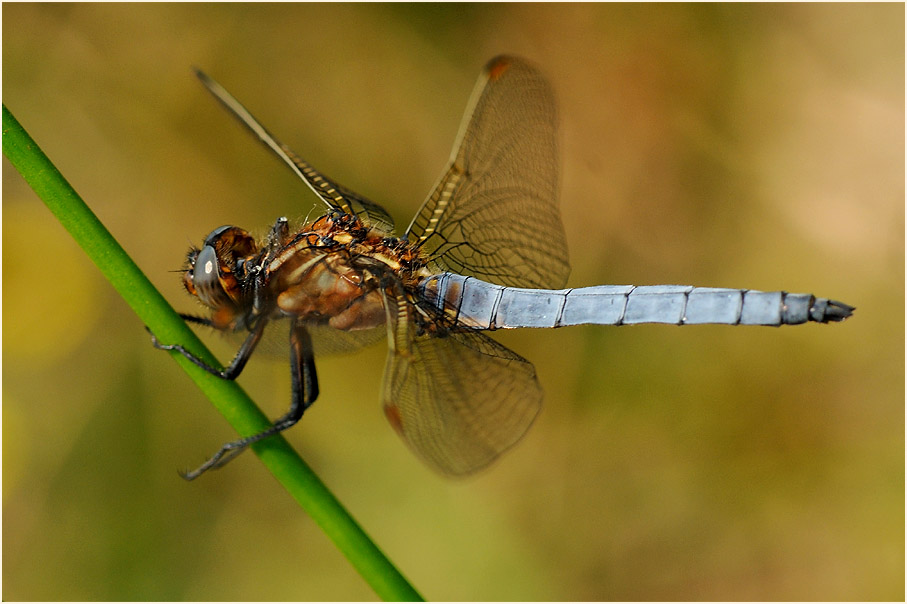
(332, 271)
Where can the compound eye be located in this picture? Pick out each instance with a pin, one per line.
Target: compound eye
(216, 234)
(205, 266)
(206, 278)
(231, 243)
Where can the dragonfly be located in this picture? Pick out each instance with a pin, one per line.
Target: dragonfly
(486, 251)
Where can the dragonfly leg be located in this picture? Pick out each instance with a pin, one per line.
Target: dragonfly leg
(199, 320)
(305, 391)
(231, 371)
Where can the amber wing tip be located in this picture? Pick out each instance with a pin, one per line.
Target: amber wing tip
(497, 66)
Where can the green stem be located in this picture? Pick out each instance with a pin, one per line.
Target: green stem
(151, 307)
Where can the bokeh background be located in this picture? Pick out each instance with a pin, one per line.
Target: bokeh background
(757, 146)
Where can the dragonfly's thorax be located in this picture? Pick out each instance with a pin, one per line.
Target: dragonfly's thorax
(333, 271)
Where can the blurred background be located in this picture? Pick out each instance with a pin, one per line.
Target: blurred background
(755, 146)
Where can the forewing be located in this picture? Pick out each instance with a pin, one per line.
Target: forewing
(334, 195)
(494, 212)
(342, 198)
(459, 401)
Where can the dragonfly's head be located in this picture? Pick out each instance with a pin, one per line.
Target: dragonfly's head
(217, 273)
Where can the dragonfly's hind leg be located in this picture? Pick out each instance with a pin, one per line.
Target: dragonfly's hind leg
(305, 391)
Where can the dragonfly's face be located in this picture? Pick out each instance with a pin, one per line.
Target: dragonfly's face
(216, 274)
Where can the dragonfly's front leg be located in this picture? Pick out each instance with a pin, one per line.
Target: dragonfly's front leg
(305, 391)
(231, 371)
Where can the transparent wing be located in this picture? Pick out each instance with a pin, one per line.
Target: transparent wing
(340, 197)
(334, 195)
(329, 341)
(458, 401)
(494, 213)
(325, 340)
